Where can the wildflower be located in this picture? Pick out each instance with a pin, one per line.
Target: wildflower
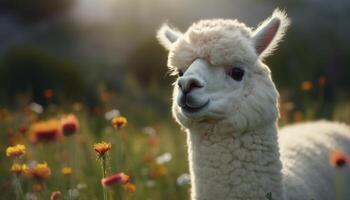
(38, 187)
(116, 178)
(48, 93)
(306, 86)
(109, 115)
(322, 80)
(183, 179)
(40, 171)
(69, 125)
(37, 108)
(15, 151)
(298, 116)
(338, 159)
(119, 122)
(148, 157)
(149, 131)
(74, 193)
(102, 147)
(16, 168)
(55, 195)
(66, 171)
(158, 171)
(164, 158)
(44, 131)
(81, 186)
(130, 187)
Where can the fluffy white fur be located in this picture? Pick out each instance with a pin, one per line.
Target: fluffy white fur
(232, 138)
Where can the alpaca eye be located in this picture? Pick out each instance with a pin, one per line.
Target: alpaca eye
(236, 73)
(180, 73)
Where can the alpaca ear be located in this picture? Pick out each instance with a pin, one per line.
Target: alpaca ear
(167, 36)
(269, 33)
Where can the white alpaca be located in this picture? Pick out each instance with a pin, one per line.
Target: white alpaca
(227, 102)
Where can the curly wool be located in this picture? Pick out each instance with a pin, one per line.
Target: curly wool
(235, 151)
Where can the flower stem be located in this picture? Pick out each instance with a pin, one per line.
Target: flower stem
(18, 187)
(105, 194)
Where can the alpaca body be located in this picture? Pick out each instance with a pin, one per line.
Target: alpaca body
(241, 166)
(305, 150)
(236, 166)
(227, 102)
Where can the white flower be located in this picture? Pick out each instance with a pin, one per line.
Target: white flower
(149, 131)
(164, 158)
(150, 183)
(109, 115)
(37, 108)
(183, 179)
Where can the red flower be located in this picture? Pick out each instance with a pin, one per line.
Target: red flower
(338, 159)
(69, 125)
(55, 195)
(116, 178)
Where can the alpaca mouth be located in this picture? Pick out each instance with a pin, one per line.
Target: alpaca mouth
(193, 109)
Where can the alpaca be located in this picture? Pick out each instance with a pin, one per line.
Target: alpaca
(225, 100)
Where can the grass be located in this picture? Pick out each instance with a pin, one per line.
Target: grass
(135, 149)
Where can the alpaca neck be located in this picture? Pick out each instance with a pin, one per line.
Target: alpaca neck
(236, 165)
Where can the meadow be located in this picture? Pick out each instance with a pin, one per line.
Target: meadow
(77, 73)
(61, 153)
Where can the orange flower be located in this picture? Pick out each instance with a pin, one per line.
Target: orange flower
(44, 131)
(69, 125)
(17, 168)
(130, 187)
(322, 80)
(48, 93)
(40, 171)
(338, 159)
(119, 122)
(306, 86)
(102, 147)
(298, 116)
(55, 195)
(15, 151)
(66, 171)
(38, 187)
(116, 178)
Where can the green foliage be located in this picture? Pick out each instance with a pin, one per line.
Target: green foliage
(28, 69)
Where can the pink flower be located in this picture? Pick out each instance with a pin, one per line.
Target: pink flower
(116, 178)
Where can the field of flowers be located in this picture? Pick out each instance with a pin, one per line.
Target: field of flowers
(89, 155)
(74, 152)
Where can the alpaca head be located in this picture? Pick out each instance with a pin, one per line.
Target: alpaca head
(221, 78)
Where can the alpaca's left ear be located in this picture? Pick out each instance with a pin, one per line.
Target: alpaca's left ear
(267, 36)
(167, 36)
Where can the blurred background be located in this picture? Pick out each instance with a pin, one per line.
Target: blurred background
(89, 57)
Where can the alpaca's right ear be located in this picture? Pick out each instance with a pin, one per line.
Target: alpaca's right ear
(269, 33)
(167, 36)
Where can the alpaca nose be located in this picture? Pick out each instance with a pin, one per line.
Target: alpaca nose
(186, 84)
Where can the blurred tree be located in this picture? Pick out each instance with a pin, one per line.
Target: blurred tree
(34, 10)
(28, 69)
(147, 63)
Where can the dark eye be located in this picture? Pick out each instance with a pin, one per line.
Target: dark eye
(180, 73)
(236, 73)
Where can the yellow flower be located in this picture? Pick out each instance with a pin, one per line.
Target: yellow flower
(18, 168)
(15, 151)
(119, 122)
(102, 147)
(306, 85)
(40, 171)
(66, 171)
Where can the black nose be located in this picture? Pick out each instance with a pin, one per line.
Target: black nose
(187, 84)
